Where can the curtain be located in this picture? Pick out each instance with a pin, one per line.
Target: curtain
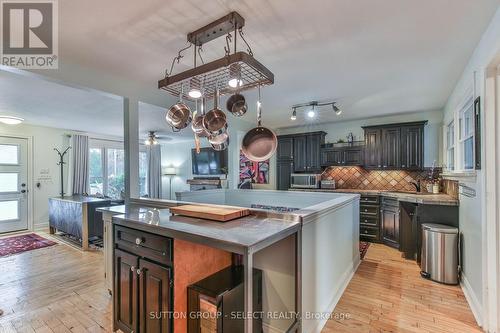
(80, 147)
(154, 171)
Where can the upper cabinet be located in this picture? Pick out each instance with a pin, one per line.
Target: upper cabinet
(342, 155)
(395, 146)
(307, 151)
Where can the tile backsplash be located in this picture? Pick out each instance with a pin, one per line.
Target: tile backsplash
(392, 180)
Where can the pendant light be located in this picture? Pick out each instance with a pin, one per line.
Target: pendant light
(294, 114)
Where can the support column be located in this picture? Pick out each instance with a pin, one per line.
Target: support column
(131, 145)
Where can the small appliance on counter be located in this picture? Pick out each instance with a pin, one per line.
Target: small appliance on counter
(328, 184)
(305, 180)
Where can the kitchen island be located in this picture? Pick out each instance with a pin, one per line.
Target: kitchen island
(307, 255)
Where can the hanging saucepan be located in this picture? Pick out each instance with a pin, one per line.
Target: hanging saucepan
(179, 115)
(219, 142)
(237, 105)
(215, 120)
(197, 124)
(260, 143)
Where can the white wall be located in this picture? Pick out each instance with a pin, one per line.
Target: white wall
(43, 159)
(472, 224)
(340, 130)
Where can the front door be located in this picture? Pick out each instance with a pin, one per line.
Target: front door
(13, 184)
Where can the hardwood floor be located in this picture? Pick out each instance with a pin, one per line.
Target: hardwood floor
(387, 294)
(54, 289)
(61, 289)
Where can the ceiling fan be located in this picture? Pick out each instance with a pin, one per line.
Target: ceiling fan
(154, 139)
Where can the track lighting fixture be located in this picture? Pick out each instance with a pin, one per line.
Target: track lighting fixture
(312, 113)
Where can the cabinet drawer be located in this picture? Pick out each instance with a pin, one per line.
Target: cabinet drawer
(369, 233)
(366, 210)
(144, 244)
(392, 202)
(370, 199)
(369, 221)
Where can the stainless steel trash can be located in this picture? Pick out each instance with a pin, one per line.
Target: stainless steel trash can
(439, 253)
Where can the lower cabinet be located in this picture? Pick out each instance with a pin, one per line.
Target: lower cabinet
(142, 287)
(285, 170)
(389, 214)
(369, 221)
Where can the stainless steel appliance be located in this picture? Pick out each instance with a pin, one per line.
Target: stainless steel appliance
(328, 184)
(440, 253)
(306, 180)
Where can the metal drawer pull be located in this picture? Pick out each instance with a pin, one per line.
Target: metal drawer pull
(138, 241)
(139, 271)
(132, 268)
(366, 210)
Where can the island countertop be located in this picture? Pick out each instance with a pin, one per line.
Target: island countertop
(250, 233)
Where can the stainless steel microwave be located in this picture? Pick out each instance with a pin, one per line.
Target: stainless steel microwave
(306, 180)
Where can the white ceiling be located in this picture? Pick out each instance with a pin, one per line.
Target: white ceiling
(376, 57)
(46, 103)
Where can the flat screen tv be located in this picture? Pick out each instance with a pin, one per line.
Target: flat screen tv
(209, 162)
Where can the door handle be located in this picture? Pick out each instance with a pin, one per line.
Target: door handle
(23, 185)
(23, 191)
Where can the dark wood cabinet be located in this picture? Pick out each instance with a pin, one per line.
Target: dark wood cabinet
(300, 154)
(395, 146)
(373, 148)
(412, 147)
(389, 216)
(284, 172)
(143, 281)
(297, 153)
(285, 148)
(369, 221)
(342, 156)
(154, 297)
(391, 148)
(125, 291)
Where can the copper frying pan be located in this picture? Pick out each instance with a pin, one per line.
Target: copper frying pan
(260, 143)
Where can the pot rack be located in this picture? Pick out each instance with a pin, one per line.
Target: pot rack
(207, 76)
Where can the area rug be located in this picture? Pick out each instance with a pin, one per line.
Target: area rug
(363, 247)
(23, 243)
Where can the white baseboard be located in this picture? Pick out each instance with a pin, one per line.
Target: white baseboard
(470, 296)
(340, 287)
(44, 226)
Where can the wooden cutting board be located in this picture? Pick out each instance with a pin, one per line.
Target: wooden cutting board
(216, 213)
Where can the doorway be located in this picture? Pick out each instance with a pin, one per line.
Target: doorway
(13, 184)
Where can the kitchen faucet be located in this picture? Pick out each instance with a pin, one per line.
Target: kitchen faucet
(417, 185)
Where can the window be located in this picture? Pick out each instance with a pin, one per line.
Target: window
(96, 176)
(466, 135)
(143, 173)
(107, 169)
(450, 145)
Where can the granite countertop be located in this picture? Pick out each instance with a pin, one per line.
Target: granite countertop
(414, 197)
(80, 199)
(252, 232)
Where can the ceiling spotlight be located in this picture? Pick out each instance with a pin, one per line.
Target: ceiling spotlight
(294, 114)
(8, 120)
(235, 80)
(311, 113)
(152, 139)
(336, 109)
(194, 93)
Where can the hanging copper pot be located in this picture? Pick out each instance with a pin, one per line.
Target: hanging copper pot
(197, 124)
(260, 143)
(179, 115)
(215, 122)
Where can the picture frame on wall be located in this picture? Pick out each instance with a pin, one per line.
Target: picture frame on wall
(477, 133)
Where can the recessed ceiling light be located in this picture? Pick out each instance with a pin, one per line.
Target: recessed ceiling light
(11, 120)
